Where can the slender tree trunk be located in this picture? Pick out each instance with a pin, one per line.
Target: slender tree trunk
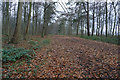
(70, 26)
(25, 20)
(119, 30)
(106, 18)
(46, 29)
(14, 13)
(24, 12)
(7, 20)
(33, 21)
(88, 32)
(114, 22)
(29, 19)
(110, 18)
(118, 25)
(64, 29)
(16, 35)
(81, 27)
(78, 27)
(93, 19)
(97, 28)
(99, 19)
(78, 20)
(102, 26)
(3, 18)
(36, 26)
(43, 29)
(39, 27)
(111, 25)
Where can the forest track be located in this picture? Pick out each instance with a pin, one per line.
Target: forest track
(74, 57)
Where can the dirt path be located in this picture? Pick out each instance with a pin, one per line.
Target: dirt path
(73, 57)
(78, 58)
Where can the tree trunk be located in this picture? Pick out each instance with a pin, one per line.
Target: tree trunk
(29, 19)
(3, 18)
(102, 26)
(70, 25)
(97, 27)
(110, 19)
(82, 27)
(88, 32)
(46, 29)
(33, 21)
(114, 21)
(111, 25)
(106, 18)
(78, 27)
(16, 35)
(43, 29)
(99, 19)
(93, 19)
(36, 26)
(119, 25)
(7, 20)
(25, 20)
(24, 12)
(78, 20)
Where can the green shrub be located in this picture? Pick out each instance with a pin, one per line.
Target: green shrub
(13, 54)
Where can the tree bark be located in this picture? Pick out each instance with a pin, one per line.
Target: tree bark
(106, 18)
(7, 20)
(78, 27)
(3, 18)
(93, 19)
(82, 27)
(78, 20)
(16, 35)
(36, 26)
(99, 19)
(33, 21)
(102, 26)
(114, 25)
(88, 32)
(43, 29)
(97, 27)
(29, 19)
(25, 13)
(114, 19)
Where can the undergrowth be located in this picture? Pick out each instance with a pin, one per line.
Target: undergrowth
(12, 54)
(109, 39)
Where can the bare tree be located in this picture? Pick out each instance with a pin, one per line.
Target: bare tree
(93, 18)
(16, 35)
(29, 19)
(106, 18)
(88, 31)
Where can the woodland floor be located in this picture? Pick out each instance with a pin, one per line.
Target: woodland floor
(71, 57)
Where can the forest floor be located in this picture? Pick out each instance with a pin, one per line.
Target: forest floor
(71, 57)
